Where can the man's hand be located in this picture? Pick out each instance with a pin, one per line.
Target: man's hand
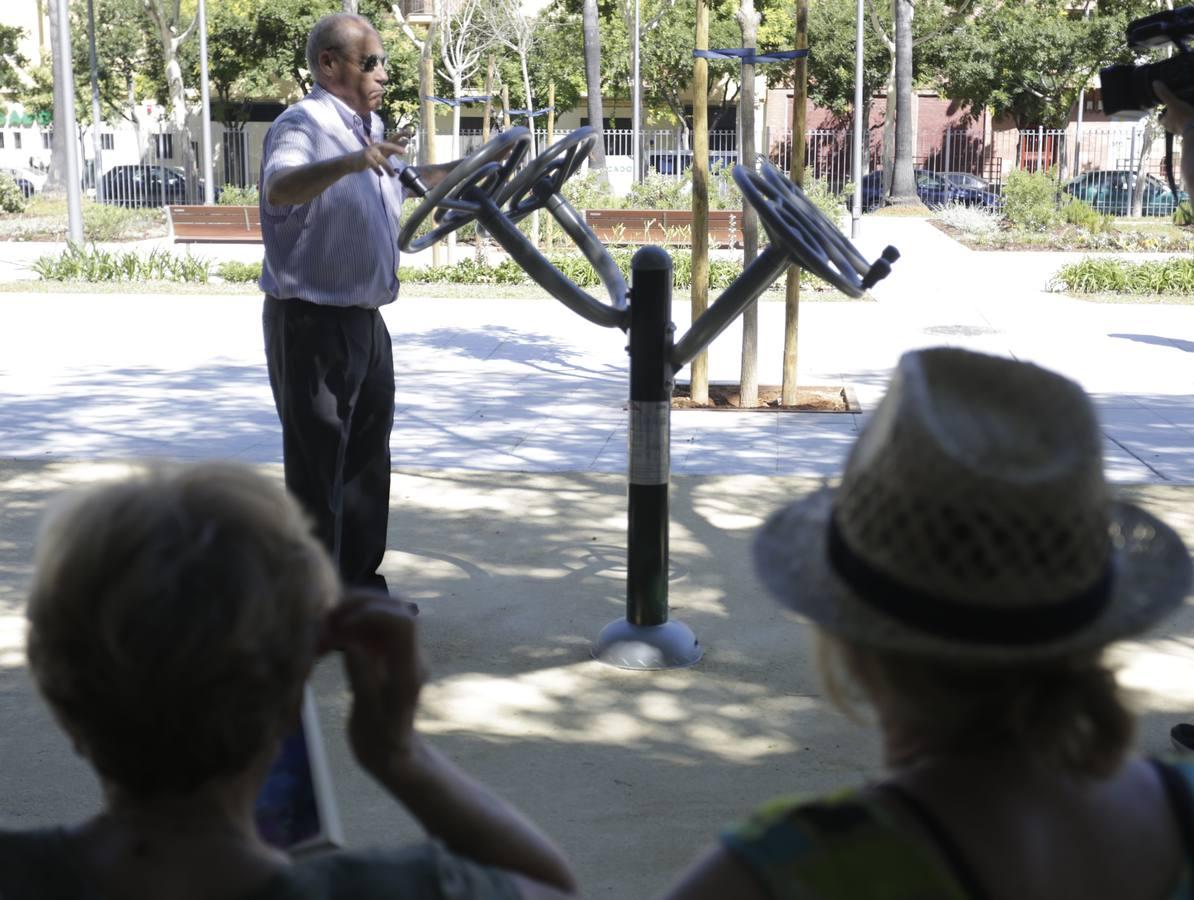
(376, 634)
(377, 157)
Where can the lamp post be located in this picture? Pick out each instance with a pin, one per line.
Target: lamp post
(636, 110)
(209, 188)
(857, 166)
(68, 123)
(96, 140)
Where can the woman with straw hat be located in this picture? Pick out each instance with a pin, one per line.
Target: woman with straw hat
(965, 579)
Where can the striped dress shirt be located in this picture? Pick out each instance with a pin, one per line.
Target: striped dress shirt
(341, 247)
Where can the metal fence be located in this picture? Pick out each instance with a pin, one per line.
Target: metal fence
(1064, 154)
(164, 174)
(1093, 161)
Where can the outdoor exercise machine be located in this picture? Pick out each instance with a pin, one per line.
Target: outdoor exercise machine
(491, 188)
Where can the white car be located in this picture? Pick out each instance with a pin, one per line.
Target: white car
(30, 181)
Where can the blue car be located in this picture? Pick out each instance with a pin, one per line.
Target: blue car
(933, 189)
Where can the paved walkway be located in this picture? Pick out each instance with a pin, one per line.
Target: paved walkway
(526, 385)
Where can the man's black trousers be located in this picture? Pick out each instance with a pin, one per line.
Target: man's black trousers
(332, 372)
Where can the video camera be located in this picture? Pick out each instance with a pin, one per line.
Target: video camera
(1130, 88)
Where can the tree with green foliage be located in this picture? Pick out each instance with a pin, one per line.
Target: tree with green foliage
(128, 64)
(173, 28)
(463, 43)
(831, 27)
(11, 59)
(555, 60)
(667, 55)
(1030, 58)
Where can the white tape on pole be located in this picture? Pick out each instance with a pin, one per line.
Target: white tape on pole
(650, 441)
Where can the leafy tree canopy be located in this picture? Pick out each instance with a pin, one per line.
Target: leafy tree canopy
(11, 60)
(1030, 58)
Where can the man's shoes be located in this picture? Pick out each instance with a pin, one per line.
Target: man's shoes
(1182, 736)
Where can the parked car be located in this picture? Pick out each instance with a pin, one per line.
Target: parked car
(147, 185)
(27, 180)
(933, 189)
(967, 180)
(1110, 192)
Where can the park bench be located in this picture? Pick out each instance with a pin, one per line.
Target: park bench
(214, 224)
(663, 226)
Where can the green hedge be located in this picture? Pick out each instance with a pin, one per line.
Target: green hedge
(1118, 276)
(93, 264)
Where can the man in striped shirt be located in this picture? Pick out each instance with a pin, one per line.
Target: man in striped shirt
(330, 206)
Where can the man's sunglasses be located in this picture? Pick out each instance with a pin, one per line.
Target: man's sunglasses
(368, 64)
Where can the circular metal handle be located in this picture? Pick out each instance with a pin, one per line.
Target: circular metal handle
(454, 200)
(795, 224)
(559, 162)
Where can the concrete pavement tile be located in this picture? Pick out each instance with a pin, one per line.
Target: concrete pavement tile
(816, 448)
(614, 456)
(566, 446)
(1122, 467)
(708, 442)
(1164, 449)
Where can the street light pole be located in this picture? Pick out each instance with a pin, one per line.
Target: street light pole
(96, 142)
(68, 123)
(209, 187)
(636, 112)
(856, 208)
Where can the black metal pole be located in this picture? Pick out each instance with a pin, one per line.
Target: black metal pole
(646, 638)
(650, 436)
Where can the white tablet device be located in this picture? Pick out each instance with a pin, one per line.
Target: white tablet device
(296, 808)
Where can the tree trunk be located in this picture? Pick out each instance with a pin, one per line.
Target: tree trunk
(887, 158)
(1139, 182)
(349, 6)
(699, 368)
(533, 151)
(488, 114)
(457, 93)
(481, 239)
(171, 40)
(592, 42)
(59, 135)
(903, 180)
(748, 379)
(792, 291)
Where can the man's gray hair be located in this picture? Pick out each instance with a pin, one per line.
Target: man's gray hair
(332, 31)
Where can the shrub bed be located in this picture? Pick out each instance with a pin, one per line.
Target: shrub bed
(1118, 276)
(94, 264)
(467, 271)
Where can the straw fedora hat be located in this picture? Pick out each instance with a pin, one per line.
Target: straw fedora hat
(973, 522)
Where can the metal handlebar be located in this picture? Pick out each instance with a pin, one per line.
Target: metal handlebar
(479, 186)
(456, 199)
(794, 223)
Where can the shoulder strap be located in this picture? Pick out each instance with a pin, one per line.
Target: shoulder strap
(944, 842)
(1181, 800)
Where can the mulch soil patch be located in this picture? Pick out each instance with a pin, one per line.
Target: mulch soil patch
(727, 397)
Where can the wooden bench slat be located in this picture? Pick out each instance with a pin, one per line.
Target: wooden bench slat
(234, 224)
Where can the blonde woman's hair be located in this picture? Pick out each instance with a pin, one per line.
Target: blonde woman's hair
(173, 617)
(1068, 712)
